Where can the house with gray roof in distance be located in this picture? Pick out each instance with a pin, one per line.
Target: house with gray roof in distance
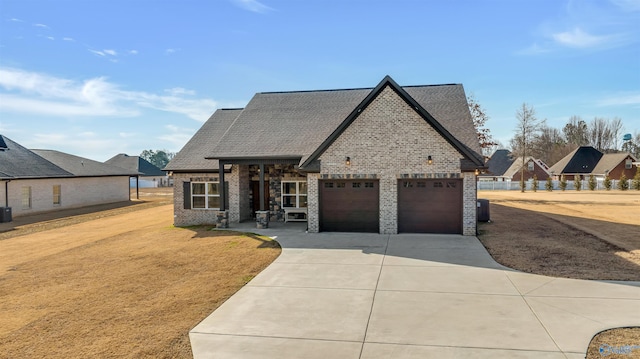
(33, 181)
(387, 159)
(150, 175)
(581, 161)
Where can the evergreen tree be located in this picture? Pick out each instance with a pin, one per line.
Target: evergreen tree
(592, 182)
(534, 183)
(577, 182)
(636, 180)
(549, 185)
(563, 183)
(623, 184)
(607, 182)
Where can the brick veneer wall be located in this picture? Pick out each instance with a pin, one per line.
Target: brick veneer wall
(191, 217)
(390, 140)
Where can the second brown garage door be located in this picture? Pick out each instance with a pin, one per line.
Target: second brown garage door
(349, 206)
(430, 206)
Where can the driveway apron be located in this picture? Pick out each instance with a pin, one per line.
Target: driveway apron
(340, 295)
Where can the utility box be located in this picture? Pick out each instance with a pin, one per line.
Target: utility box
(483, 210)
(5, 214)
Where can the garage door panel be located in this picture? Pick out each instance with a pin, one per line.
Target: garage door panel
(430, 205)
(349, 206)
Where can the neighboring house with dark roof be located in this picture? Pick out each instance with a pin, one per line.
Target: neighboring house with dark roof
(387, 159)
(150, 175)
(497, 165)
(581, 161)
(35, 181)
(614, 165)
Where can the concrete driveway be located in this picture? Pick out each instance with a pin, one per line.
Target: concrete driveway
(337, 295)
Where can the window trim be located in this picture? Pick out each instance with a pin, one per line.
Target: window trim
(57, 197)
(206, 195)
(297, 195)
(27, 202)
(628, 164)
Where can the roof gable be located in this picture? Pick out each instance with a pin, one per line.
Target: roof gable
(609, 161)
(470, 155)
(18, 162)
(582, 160)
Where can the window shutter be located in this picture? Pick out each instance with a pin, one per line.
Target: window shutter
(186, 190)
(226, 195)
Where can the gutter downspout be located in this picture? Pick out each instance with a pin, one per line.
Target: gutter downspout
(6, 193)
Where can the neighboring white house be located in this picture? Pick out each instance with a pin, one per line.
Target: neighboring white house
(33, 181)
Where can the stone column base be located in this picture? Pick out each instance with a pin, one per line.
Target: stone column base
(222, 219)
(262, 219)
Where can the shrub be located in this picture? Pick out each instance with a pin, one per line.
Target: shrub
(636, 180)
(523, 185)
(577, 182)
(592, 182)
(607, 182)
(623, 184)
(549, 185)
(534, 183)
(563, 183)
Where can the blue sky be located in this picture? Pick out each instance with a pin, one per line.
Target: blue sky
(97, 78)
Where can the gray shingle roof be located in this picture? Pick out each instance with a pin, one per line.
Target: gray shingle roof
(295, 124)
(499, 162)
(135, 164)
(609, 161)
(191, 157)
(18, 162)
(82, 167)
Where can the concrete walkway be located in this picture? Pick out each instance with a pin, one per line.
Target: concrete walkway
(337, 295)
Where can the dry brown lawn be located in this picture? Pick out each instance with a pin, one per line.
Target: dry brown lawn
(121, 285)
(584, 235)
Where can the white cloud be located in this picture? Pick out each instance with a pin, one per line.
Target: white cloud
(41, 25)
(177, 136)
(68, 39)
(171, 51)
(34, 93)
(627, 5)
(133, 52)
(110, 52)
(534, 49)
(99, 53)
(252, 5)
(622, 99)
(51, 38)
(580, 39)
(15, 20)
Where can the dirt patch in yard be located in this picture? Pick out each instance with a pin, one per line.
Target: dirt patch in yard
(586, 235)
(128, 285)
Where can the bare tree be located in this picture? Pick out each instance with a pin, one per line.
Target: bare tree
(576, 132)
(480, 118)
(549, 145)
(526, 131)
(633, 145)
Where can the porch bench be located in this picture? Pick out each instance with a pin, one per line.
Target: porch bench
(294, 211)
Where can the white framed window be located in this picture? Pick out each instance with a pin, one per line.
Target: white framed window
(294, 194)
(57, 194)
(205, 195)
(530, 166)
(628, 163)
(26, 197)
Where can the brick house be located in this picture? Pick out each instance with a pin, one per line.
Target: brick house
(614, 165)
(389, 159)
(532, 167)
(33, 181)
(586, 160)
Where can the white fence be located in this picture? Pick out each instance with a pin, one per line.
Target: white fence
(515, 185)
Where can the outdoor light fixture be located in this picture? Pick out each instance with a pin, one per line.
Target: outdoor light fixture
(429, 160)
(477, 171)
(347, 161)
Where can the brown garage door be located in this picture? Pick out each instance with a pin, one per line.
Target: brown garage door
(349, 206)
(430, 205)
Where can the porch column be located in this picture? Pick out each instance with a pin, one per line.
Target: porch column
(261, 191)
(221, 189)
